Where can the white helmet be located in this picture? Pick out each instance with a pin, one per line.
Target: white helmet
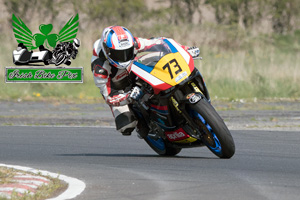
(76, 43)
(117, 44)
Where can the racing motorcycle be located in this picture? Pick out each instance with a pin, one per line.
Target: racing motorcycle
(174, 111)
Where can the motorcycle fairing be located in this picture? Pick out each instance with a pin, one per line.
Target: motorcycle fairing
(160, 109)
(179, 136)
(175, 47)
(169, 70)
(156, 83)
(187, 140)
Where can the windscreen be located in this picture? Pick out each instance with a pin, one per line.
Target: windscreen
(150, 56)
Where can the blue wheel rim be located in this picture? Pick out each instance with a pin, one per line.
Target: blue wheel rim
(216, 148)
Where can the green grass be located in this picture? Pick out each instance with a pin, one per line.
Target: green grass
(7, 124)
(261, 71)
(235, 65)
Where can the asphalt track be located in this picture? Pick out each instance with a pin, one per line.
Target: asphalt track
(266, 164)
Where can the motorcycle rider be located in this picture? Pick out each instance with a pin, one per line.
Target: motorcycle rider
(112, 57)
(64, 51)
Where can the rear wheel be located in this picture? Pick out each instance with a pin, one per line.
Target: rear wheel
(160, 146)
(215, 133)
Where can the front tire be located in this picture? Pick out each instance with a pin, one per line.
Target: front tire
(216, 135)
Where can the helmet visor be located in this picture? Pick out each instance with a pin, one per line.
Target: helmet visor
(121, 55)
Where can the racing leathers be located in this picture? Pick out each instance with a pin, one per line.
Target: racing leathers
(115, 84)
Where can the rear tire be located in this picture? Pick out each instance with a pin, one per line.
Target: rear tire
(217, 137)
(160, 147)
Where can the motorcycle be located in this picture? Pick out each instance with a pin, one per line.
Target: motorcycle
(21, 56)
(174, 111)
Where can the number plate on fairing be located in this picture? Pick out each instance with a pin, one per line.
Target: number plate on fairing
(172, 69)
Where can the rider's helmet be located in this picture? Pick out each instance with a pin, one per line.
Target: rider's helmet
(76, 43)
(117, 44)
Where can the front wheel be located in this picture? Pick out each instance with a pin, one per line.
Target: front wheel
(160, 146)
(215, 133)
(60, 59)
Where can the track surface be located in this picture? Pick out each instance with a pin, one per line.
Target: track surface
(266, 164)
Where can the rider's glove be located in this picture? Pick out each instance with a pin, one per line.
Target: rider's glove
(194, 51)
(136, 93)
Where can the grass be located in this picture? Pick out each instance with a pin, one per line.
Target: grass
(243, 74)
(43, 192)
(6, 175)
(235, 65)
(7, 124)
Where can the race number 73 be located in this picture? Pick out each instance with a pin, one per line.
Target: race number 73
(173, 64)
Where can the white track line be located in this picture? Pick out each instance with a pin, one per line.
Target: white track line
(75, 186)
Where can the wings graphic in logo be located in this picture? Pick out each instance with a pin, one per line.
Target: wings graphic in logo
(24, 35)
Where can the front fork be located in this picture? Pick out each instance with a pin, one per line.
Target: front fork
(181, 106)
(200, 86)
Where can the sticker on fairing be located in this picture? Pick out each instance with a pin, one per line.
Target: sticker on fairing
(176, 135)
(187, 140)
(193, 98)
(180, 76)
(179, 136)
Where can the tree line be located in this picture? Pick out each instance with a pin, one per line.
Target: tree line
(284, 15)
